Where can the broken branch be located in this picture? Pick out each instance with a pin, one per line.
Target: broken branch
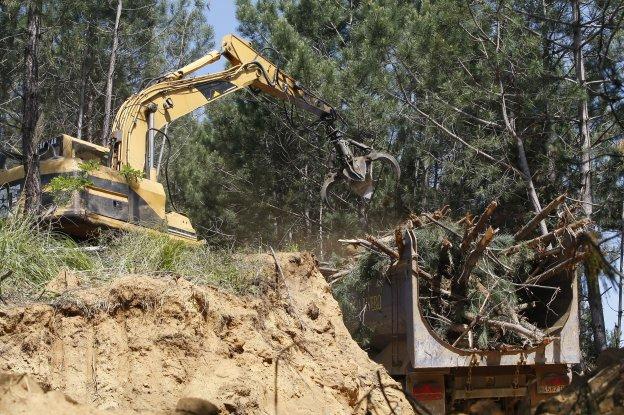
(524, 232)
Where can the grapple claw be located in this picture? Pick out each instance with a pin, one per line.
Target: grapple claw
(330, 179)
(356, 171)
(378, 155)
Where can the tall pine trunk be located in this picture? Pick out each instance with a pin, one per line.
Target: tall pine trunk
(593, 283)
(30, 117)
(89, 116)
(108, 99)
(85, 73)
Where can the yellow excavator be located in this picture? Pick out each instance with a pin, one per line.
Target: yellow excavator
(123, 191)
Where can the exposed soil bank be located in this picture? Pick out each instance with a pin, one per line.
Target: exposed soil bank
(141, 344)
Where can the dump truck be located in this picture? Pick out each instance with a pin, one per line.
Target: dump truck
(441, 377)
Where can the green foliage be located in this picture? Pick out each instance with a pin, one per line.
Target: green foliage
(89, 166)
(131, 175)
(350, 292)
(61, 187)
(65, 184)
(156, 36)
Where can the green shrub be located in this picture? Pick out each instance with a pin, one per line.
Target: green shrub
(131, 174)
(61, 187)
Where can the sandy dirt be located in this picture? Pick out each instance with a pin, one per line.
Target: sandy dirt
(142, 344)
(601, 392)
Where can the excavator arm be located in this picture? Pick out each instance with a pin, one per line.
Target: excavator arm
(175, 95)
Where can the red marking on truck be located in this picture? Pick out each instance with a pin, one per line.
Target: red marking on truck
(429, 391)
(553, 383)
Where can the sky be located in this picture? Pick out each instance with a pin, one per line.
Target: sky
(222, 17)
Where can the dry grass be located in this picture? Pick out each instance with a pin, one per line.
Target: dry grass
(34, 254)
(153, 254)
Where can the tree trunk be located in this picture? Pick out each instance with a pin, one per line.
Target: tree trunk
(524, 166)
(595, 309)
(320, 230)
(618, 333)
(89, 116)
(583, 113)
(593, 283)
(549, 132)
(108, 100)
(523, 163)
(85, 73)
(307, 209)
(30, 117)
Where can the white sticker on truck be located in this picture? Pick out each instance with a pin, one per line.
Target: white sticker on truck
(15, 192)
(4, 202)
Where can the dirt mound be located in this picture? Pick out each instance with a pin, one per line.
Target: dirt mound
(20, 394)
(599, 393)
(142, 344)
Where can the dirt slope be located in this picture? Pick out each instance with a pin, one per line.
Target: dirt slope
(601, 392)
(141, 344)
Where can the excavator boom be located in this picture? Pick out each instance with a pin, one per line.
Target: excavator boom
(176, 95)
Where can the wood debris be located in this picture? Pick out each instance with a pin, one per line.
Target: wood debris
(481, 288)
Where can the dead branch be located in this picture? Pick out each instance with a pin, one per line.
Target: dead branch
(562, 266)
(383, 248)
(440, 224)
(477, 252)
(546, 239)
(526, 229)
(516, 328)
(279, 274)
(483, 219)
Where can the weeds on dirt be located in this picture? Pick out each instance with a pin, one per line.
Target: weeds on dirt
(34, 254)
(150, 253)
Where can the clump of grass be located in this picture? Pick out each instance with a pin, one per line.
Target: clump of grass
(222, 268)
(140, 253)
(151, 253)
(35, 254)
